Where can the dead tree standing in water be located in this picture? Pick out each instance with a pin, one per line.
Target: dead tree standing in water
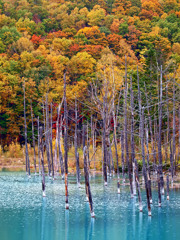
(87, 184)
(47, 136)
(160, 135)
(38, 146)
(33, 138)
(132, 138)
(150, 128)
(138, 186)
(174, 131)
(179, 135)
(122, 154)
(25, 132)
(42, 160)
(125, 131)
(51, 147)
(58, 143)
(144, 163)
(148, 165)
(76, 147)
(104, 142)
(66, 143)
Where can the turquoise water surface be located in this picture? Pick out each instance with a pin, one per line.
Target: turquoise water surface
(26, 215)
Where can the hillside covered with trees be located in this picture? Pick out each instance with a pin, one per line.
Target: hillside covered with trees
(40, 40)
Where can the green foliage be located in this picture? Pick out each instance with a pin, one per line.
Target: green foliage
(9, 35)
(123, 28)
(2, 47)
(105, 30)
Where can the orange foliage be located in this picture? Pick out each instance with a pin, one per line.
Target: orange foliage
(94, 35)
(113, 40)
(94, 50)
(150, 9)
(36, 40)
(115, 26)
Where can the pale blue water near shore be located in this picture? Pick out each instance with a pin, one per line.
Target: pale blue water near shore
(26, 215)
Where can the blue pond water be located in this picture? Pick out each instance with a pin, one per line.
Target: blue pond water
(26, 215)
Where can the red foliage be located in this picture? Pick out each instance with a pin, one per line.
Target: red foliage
(36, 40)
(74, 49)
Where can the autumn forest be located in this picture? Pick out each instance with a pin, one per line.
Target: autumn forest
(89, 108)
(89, 40)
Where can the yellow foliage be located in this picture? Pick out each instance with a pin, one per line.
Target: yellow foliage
(77, 90)
(24, 44)
(61, 45)
(109, 73)
(14, 150)
(5, 20)
(96, 15)
(82, 64)
(25, 25)
(176, 48)
(26, 59)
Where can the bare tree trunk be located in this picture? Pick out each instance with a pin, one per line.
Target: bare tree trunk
(115, 145)
(42, 160)
(111, 159)
(83, 135)
(179, 135)
(25, 132)
(33, 138)
(148, 165)
(66, 143)
(167, 134)
(57, 144)
(160, 135)
(139, 98)
(47, 136)
(87, 137)
(75, 146)
(109, 156)
(144, 163)
(104, 143)
(132, 139)
(51, 147)
(155, 143)
(171, 162)
(125, 131)
(122, 155)
(44, 117)
(59, 148)
(87, 184)
(93, 133)
(174, 130)
(38, 146)
(138, 186)
(150, 128)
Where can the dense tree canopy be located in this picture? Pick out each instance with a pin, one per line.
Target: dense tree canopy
(40, 39)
